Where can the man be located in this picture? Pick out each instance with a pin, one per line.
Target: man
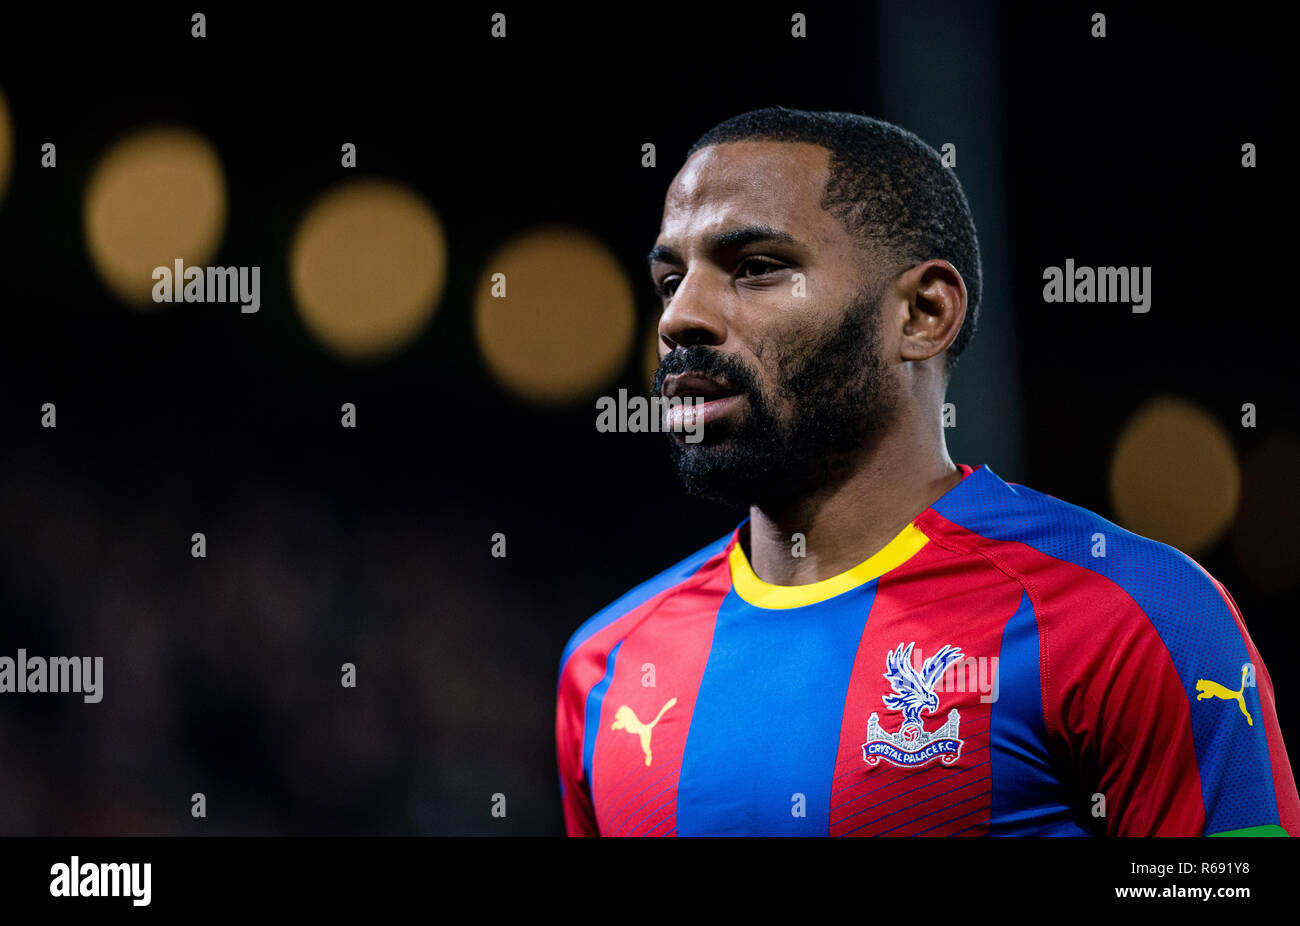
(890, 644)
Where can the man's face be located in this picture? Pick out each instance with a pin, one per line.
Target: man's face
(793, 372)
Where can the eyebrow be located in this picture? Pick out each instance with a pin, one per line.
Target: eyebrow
(730, 240)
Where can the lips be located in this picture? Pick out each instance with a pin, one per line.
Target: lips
(709, 400)
(695, 385)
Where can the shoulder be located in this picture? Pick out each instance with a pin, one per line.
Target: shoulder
(1074, 557)
(602, 628)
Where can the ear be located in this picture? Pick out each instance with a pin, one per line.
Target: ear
(936, 307)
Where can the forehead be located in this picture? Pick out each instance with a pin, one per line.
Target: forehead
(750, 182)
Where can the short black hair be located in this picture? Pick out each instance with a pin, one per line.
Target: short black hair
(888, 187)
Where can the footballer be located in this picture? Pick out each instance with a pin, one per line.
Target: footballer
(890, 643)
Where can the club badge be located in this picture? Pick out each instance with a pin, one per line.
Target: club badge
(912, 745)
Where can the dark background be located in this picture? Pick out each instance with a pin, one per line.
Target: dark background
(372, 546)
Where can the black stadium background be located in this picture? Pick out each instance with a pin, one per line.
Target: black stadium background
(372, 545)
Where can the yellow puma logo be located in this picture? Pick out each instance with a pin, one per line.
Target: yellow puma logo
(626, 719)
(1212, 689)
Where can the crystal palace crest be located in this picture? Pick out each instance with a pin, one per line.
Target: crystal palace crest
(913, 746)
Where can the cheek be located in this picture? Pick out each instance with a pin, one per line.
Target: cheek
(786, 343)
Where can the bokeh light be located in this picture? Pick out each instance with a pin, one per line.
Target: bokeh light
(6, 145)
(157, 196)
(1174, 475)
(566, 324)
(368, 266)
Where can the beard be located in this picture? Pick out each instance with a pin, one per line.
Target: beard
(831, 401)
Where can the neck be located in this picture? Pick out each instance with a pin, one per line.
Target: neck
(848, 522)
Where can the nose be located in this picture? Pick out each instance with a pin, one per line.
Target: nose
(693, 315)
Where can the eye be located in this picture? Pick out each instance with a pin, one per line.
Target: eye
(757, 266)
(667, 286)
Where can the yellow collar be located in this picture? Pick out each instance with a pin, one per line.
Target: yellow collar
(759, 593)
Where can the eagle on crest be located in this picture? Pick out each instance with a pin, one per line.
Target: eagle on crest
(914, 691)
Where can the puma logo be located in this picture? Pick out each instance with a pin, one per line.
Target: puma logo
(1212, 689)
(626, 719)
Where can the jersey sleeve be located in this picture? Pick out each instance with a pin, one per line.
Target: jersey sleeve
(1270, 775)
(1167, 713)
(585, 669)
(575, 792)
